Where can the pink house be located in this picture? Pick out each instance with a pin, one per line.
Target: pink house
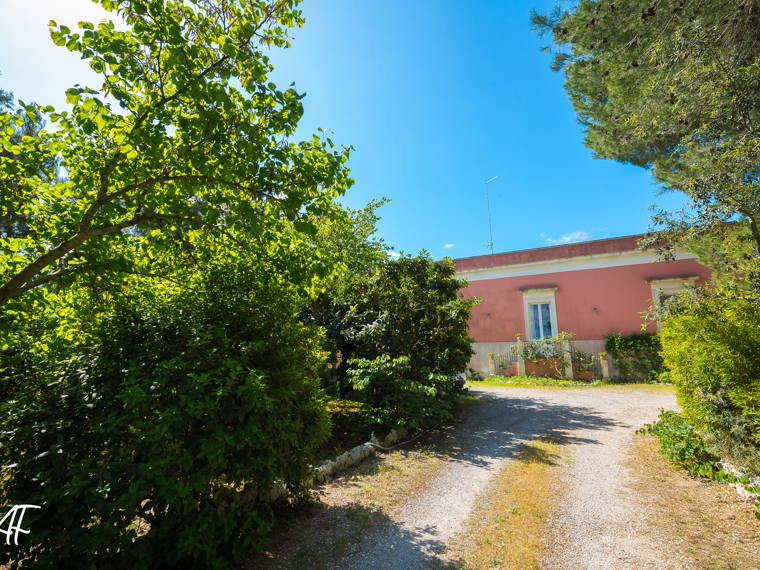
(589, 289)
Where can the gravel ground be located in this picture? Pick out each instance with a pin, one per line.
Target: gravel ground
(595, 525)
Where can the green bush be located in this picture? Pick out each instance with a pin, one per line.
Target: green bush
(549, 347)
(711, 346)
(404, 331)
(418, 311)
(682, 445)
(351, 424)
(401, 396)
(637, 356)
(156, 443)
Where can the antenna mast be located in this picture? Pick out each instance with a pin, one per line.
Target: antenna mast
(489, 244)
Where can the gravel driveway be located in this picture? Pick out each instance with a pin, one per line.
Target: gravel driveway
(596, 525)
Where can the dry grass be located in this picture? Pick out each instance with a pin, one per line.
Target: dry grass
(315, 535)
(507, 524)
(706, 521)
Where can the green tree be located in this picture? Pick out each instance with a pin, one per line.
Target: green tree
(672, 86)
(30, 123)
(155, 440)
(185, 133)
(417, 310)
(348, 241)
(402, 323)
(409, 340)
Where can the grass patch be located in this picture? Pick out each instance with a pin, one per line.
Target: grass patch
(530, 381)
(533, 381)
(468, 400)
(706, 522)
(508, 522)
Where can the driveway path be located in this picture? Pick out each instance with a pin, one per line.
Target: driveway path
(596, 524)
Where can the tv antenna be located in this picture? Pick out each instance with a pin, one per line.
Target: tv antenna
(489, 243)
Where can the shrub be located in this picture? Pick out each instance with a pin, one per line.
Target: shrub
(543, 348)
(549, 356)
(156, 444)
(637, 356)
(403, 339)
(682, 445)
(409, 307)
(400, 395)
(352, 424)
(711, 347)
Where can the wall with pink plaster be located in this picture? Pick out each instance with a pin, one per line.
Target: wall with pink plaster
(590, 303)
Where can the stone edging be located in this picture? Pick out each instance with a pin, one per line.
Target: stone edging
(741, 488)
(353, 456)
(331, 467)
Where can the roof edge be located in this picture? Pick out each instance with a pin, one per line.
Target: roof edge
(557, 246)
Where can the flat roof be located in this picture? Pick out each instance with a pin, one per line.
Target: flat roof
(564, 251)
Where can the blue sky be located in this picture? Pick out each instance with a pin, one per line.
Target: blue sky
(436, 96)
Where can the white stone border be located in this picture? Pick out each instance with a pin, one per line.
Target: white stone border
(741, 488)
(332, 467)
(353, 456)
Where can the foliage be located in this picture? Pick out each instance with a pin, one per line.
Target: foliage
(710, 345)
(348, 241)
(28, 122)
(674, 87)
(351, 424)
(729, 251)
(637, 356)
(348, 238)
(157, 442)
(682, 445)
(401, 396)
(186, 133)
(549, 347)
(409, 307)
(552, 352)
(417, 309)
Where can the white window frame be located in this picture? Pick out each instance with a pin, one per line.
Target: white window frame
(539, 296)
(669, 286)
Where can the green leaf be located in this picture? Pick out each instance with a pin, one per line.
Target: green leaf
(72, 96)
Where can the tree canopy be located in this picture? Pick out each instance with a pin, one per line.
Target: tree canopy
(185, 134)
(672, 86)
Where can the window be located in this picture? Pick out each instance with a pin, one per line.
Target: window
(540, 320)
(664, 289)
(540, 313)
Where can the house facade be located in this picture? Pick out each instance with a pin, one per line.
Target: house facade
(589, 289)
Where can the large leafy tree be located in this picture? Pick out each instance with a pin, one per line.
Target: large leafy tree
(672, 86)
(29, 123)
(185, 133)
(408, 307)
(348, 244)
(171, 421)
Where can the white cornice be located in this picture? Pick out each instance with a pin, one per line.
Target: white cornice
(579, 263)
